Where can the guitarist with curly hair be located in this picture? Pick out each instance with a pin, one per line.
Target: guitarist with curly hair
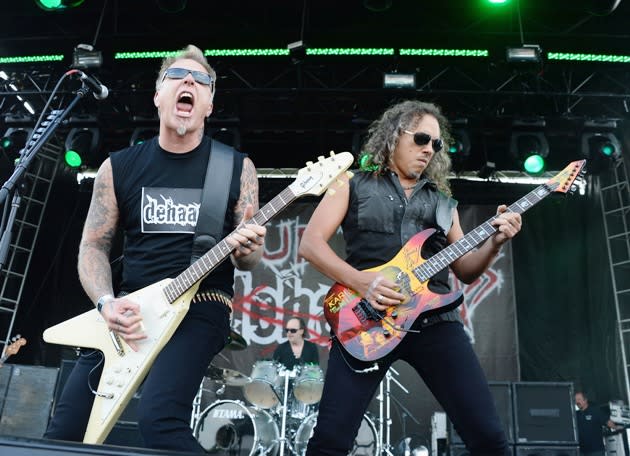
(405, 191)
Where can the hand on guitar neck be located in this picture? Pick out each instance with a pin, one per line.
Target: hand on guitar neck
(16, 343)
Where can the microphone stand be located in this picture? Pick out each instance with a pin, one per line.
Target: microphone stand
(38, 139)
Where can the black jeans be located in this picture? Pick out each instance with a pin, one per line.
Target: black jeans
(165, 406)
(444, 358)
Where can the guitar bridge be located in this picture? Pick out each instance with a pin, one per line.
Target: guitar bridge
(364, 312)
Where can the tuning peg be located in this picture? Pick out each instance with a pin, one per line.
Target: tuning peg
(332, 153)
(331, 191)
(340, 182)
(320, 158)
(309, 163)
(349, 174)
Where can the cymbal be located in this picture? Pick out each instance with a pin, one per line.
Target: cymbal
(230, 377)
(236, 341)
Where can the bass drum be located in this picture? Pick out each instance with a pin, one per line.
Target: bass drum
(366, 443)
(233, 428)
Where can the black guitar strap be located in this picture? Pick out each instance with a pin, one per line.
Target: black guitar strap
(214, 199)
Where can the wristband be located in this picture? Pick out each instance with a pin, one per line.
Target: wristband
(102, 301)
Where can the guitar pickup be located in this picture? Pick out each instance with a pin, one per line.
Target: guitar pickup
(364, 312)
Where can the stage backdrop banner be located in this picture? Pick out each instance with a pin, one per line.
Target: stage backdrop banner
(285, 285)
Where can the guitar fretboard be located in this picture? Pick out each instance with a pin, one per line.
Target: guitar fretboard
(211, 259)
(471, 240)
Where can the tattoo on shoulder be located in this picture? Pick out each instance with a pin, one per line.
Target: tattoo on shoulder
(249, 190)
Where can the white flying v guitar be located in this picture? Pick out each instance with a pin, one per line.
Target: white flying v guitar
(163, 306)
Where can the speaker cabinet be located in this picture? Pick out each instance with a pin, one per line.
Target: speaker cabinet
(544, 414)
(502, 394)
(546, 450)
(460, 450)
(28, 394)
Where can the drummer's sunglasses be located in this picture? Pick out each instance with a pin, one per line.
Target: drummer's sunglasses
(292, 330)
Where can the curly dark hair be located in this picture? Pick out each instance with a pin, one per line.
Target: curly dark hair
(384, 133)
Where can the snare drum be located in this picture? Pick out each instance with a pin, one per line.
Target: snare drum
(365, 444)
(309, 384)
(266, 382)
(233, 428)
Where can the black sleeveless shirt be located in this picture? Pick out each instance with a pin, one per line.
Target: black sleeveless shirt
(159, 195)
(381, 219)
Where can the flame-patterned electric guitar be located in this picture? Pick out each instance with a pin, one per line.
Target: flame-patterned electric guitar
(368, 334)
(164, 304)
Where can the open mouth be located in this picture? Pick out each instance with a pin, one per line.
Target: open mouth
(185, 102)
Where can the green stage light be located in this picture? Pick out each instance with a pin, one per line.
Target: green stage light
(82, 148)
(365, 163)
(534, 164)
(57, 5)
(601, 149)
(73, 159)
(530, 149)
(497, 2)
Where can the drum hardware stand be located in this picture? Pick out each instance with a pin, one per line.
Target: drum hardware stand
(384, 398)
(283, 440)
(196, 411)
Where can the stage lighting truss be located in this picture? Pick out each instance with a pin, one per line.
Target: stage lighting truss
(530, 149)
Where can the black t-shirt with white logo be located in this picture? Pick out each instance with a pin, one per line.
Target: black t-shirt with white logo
(159, 195)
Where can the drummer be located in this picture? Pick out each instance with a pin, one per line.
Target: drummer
(296, 350)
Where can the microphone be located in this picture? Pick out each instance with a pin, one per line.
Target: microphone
(99, 91)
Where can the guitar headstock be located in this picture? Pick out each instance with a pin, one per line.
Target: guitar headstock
(315, 178)
(563, 181)
(16, 343)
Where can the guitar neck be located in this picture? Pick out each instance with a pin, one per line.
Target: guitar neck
(217, 254)
(475, 237)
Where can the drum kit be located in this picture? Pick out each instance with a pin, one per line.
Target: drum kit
(279, 418)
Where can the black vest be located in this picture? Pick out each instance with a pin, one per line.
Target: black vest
(380, 220)
(159, 195)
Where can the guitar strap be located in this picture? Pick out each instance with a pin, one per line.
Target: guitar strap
(214, 198)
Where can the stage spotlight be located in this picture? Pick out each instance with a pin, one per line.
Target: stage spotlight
(82, 148)
(530, 149)
(601, 149)
(399, 81)
(141, 134)
(57, 5)
(459, 149)
(13, 142)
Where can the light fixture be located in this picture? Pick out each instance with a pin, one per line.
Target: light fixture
(57, 5)
(527, 53)
(399, 80)
(82, 146)
(13, 141)
(530, 149)
(459, 149)
(141, 134)
(297, 51)
(601, 149)
(84, 56)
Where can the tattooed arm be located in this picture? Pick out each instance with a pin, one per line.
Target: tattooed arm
(95, 272)
(249, 237)
(121, 315)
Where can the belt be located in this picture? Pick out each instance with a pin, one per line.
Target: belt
(213, 295)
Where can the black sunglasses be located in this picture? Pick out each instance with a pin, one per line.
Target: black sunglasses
(292, 330)
(423, 139)
(181, 73)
